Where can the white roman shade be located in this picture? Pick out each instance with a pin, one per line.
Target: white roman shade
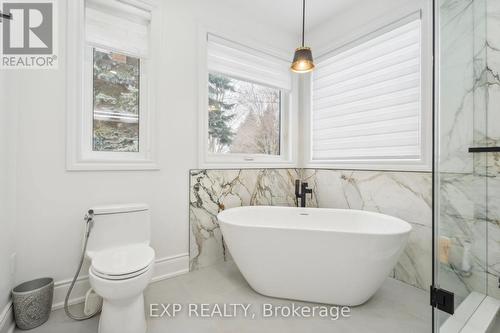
(118, 26)
(367, 98)
(239, 61)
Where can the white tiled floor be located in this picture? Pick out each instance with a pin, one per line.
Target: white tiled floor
(396, 308)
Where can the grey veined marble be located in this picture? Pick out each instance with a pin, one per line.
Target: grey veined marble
(214, 190)
(407, 195)
(403, 194)
(493, 136)
(469, 184)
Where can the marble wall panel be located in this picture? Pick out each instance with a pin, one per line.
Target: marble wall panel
(469, 197)
(214, 190)
(407, 195)
(456, 85)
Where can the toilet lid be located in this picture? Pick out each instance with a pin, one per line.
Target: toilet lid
(123, 260)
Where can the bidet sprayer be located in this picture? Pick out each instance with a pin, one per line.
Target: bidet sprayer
(89, 218)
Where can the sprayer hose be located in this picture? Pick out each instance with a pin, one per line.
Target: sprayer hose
(66, 300)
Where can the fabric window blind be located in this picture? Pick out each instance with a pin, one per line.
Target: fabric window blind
(118, 26)
(234, 59)
(367, 99)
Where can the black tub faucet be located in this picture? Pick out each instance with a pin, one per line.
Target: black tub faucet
(301, 192)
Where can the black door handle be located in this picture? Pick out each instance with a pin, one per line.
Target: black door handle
(5, 16)
(484, 149)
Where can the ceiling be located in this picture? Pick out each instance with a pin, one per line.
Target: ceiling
(286, 14)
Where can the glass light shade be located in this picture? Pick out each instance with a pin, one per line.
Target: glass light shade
(302, 60)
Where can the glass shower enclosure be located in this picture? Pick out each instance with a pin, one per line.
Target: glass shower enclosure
(467, 163)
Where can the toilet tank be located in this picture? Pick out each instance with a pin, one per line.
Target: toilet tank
(119, 225)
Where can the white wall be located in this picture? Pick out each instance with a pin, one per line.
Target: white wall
(6, 234)
(51, 201)
(357, 21)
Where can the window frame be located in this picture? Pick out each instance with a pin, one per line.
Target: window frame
(288, 115)
(79, 150)
(373, 30)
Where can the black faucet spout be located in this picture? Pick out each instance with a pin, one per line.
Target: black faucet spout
(301, 191)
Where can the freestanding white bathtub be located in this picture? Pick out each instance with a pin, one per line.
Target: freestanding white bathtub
(331, 256)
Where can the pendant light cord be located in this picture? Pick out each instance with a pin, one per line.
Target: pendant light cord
(303, 20)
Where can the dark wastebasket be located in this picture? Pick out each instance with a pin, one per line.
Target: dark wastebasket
(32, 302)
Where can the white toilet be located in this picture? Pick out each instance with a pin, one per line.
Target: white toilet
(121, 265)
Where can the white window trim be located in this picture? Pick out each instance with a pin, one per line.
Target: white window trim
(289, 118)
(391, 19)
(79, 154)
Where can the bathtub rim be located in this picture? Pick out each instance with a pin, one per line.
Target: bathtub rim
(406, 224)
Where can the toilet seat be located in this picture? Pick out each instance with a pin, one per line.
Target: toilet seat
(122, 276)
(123, 262)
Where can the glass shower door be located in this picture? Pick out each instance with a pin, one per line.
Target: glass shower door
(461, 177)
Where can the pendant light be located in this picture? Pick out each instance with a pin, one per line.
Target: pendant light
(303, 59)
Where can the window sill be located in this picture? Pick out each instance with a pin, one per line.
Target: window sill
(225, 166)
(112, 166)
(246, 161)
(228, 165)
(387, 166)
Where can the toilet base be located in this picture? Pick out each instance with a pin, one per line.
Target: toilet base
(123, 316)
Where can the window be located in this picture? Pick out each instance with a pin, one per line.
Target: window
(114, 114)
(243, 117)
(246, 111)
(369, 100)
(116, 102)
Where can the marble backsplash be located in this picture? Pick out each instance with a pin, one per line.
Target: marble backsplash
(407, 195)
(403, 194)
(214, 190)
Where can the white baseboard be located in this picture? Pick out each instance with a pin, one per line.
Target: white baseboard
(168, 267)
(7, 319)
(165, 268)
